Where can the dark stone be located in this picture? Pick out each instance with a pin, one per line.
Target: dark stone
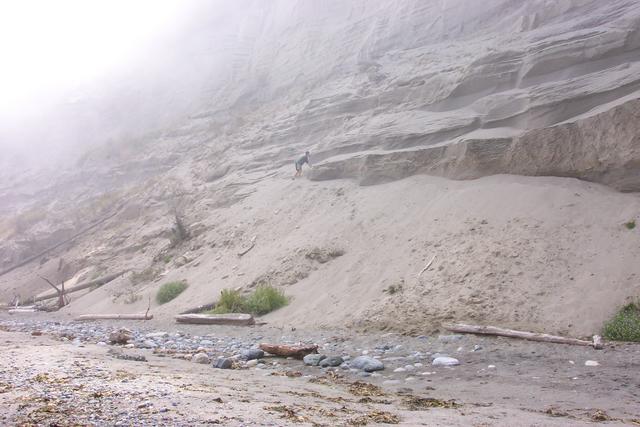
(331, 361)
(223, 363)
(252, 353)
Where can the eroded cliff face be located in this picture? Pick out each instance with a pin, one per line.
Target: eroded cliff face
(383, 90)
(378, 92)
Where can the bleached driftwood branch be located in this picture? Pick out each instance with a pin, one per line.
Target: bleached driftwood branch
(530, 336)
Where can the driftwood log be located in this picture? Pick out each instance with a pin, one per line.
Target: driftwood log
(284, 350)
(114, 317)
(530, 336)
(57, 245)
(201, 308)
(62, 298)
(22, 310)
(234, 319)
(97, 282)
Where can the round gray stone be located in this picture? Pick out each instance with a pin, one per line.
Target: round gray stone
(331, 361)
(367, 364)
(313, 359)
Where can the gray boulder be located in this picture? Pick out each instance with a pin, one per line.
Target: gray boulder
(367, 364)
(445, 361)
(313, 359)
(251, 354)
(200, 358)
(331, 361)
(223, 363)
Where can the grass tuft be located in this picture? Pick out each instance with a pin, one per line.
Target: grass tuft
(263, 300)
(630, 225)
(231, 301)
(625, 325)
(266, 299)
(169, 291)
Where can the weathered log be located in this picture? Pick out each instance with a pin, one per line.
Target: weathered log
(22, 310)
(201, 308)
(114, 317)
(97, 282)
(285, 350)
(57, 245)
(236, 319)
(530, 336)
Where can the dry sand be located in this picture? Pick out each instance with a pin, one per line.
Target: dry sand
(542, 254)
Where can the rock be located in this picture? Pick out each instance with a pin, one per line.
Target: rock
(331, 361)
(149, 344)
(101, 343)
(477, 347)
(445, 361)
(119, 354)
(591, 363)
(206, 343)
(154, 335)
(391, 382)
(409, 368)
(399, 370)
(146, 404)
(201, 358)
(313, 359)
(223, 363)
(449, 338)
(436, 355)
(251, 354)
(367, 364)
(121, 336)
(252, 363)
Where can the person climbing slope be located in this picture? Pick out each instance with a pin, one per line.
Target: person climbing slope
(301, 161)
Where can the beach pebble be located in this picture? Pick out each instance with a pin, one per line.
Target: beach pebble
(223, 363)
(332, 361)
(252, 353)
(313, 359)
(200, 358)
(449, 338)
(591, 363)
(445, 361)
(367, 364)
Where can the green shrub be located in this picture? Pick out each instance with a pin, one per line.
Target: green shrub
(263, 300)
(169, 291)
(266, 299)
(625, 325)
(630, 225)
(231, 301)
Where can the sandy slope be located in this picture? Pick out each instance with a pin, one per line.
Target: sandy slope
(536, 253)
